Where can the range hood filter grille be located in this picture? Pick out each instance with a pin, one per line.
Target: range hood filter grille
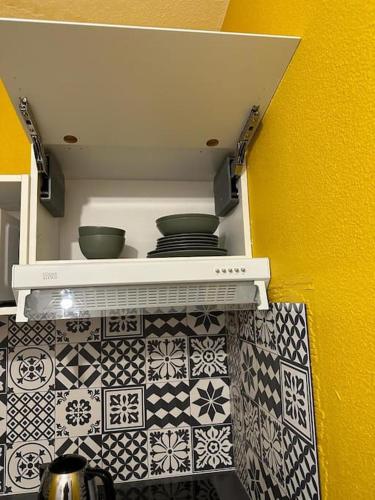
(110, 300)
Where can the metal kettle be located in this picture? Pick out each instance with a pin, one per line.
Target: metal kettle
(70, 478)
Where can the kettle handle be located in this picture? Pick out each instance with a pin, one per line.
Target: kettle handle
(105, 476)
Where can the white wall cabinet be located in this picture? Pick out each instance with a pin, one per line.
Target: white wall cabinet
(143, 104)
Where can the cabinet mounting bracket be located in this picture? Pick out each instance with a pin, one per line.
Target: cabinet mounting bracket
(226, 178)
(52, 185)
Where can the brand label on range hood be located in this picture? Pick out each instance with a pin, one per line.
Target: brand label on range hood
(48, 276)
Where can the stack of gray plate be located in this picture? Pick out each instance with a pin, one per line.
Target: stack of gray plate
(187, 235)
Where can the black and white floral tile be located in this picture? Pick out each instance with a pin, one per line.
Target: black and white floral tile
(145, 397)
(275, 447)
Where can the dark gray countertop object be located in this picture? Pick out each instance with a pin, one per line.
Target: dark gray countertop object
(219, 485)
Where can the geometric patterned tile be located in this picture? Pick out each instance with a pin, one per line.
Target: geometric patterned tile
(168, 405)
(123, 408)
(272, 408)
(269, 391)
(296, 399)
(2, 468)
(249, 369)
(66, 446)
(89, 367)
(90, 447)
(204, 320)
(233, 353)
(251, 425)
(3, 370)
(23, 460)
(269, 486)
(30, 416)
(208, 356)
(3, 331)
(123, 362)
(66, 366)
(78, 365)
(259, 482)
(212, 447)
(246, 325)
(302, 478)
(272, 445)
(124, 455)
(71, 331)
(231, 322)
(292, 332)
(170, 452)
(3, 417)
(253, 476)
(237, 412)
(31, 368)
(163, 325)
(239, 456)
(167, 359)
(239, 452)
(210, 401)
(128, 325)
(78, 412)
(264, 322)
(31, 333)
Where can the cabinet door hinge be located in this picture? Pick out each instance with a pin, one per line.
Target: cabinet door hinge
(239, 161)
(52, 185)
(40, 156)
(225, 182)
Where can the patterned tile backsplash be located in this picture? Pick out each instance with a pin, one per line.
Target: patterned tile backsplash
(144, 397)
(275, 449)
(162, 395)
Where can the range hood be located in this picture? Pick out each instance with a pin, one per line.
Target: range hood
(95, 288)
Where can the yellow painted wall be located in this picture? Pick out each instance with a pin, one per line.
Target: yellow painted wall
(311, 173)
(310, 178)
(14, 146)
(191, 14)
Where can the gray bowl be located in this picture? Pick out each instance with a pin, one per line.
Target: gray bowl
(86, 230)
(101, 246)
(187, 223)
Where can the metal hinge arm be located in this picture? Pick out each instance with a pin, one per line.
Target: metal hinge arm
(239, 161)
(40, 156)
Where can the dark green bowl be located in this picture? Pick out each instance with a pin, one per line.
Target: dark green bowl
(187, 223)
(88, 230)
(101, 246)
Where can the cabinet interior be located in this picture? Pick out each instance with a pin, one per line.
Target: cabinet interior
(133, 205)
